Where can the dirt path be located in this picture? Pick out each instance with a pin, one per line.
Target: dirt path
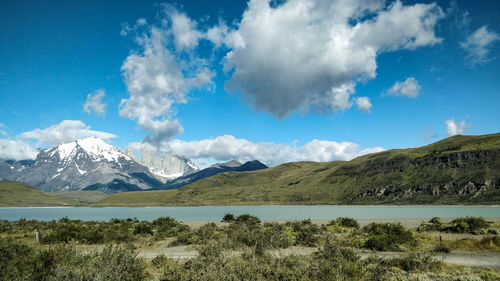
(490, 260)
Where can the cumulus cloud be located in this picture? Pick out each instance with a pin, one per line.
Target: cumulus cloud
(303, 54)
(297, 56)
(408, 88)
(94, 103)
(157, 79)
(456, 128)
(16, 150)
(478, 44)
(228, 147)
(184, 29)
(66, 131)
(364, 104)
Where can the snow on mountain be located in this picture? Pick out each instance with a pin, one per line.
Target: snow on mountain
(81, 164)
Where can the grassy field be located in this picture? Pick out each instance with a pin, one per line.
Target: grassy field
(440, 173)
(16, 194)
(82, 197)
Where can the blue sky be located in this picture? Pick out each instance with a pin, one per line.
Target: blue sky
(277, 81)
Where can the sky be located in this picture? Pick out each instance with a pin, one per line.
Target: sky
(278, 81)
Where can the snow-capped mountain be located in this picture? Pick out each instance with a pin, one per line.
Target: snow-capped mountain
(167, 166)
(88, 163)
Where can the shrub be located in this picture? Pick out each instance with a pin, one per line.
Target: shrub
(159, 261)
(471, 225)
(440, 248)
(274, 235)
(248, 220)
(348, 222)
(228, 217)
(209, 231)
(143, 227)
(387, 236)
(333, 262)
(413, 262)
(306, 232)
(434, 224)
(342, 225)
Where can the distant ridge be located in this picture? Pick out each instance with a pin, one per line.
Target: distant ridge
(456, 170)
(18, 194)
(231, 166)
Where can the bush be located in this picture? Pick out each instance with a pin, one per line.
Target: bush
(342, 225)
(413, 262)
(348, 222)
(441, 249)
(306, 233)
(143, 227)
(387, 236)
(18, 261)
(433, 224)
(248, 220)
(471, 225)
(228, 217)
(159, 261)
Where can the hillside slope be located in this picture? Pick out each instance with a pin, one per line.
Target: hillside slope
(456, 170)
(17, 194)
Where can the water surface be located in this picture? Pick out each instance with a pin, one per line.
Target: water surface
(215, 213)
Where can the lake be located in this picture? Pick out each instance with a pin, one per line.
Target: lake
(215, 213)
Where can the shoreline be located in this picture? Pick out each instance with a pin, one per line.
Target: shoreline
(255, 205)
(406, 222)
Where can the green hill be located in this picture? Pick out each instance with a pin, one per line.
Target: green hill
(456, 170)
(17, 194)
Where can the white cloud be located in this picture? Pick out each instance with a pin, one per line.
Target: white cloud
(141, 22)
(454, 128)
(184, 30)
(228, 147)
(478, 45)
(94, 103)
(408, 88)
(16, 150)
(2, 131)
(298, 56)
(66, 131)
(295, 57)
(156, 80)
(364, 104)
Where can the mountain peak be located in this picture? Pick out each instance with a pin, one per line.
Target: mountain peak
(229, 164)
(93, 146)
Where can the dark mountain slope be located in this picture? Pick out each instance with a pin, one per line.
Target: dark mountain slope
(231, 166)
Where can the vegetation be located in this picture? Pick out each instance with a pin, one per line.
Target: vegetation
(456, 170)
(81, 197)
(17, 194)
(470, 225)
(387, 237)
(241, 248)
(19, 261)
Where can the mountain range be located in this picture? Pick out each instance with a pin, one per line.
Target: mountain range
(92, 164)
(456, 170)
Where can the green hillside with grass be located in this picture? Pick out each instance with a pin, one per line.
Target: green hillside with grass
(17, 194)
(456, 170)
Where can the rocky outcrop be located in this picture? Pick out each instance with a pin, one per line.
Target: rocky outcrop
(164, 165)
(464, 174)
